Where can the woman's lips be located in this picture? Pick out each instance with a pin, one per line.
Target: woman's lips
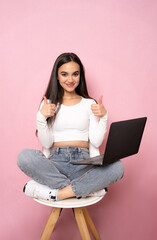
(70, 84)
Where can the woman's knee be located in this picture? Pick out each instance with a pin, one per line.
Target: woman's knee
(120, 169)
(22, 158)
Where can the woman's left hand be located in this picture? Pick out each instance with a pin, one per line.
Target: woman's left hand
(98, 109)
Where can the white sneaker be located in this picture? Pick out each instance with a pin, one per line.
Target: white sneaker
(99, 193)
(36, 190)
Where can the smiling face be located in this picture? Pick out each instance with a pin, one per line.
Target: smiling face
(69, 76)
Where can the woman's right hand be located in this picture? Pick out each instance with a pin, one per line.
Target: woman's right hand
(48, 109)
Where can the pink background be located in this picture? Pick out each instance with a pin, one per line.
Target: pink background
(117, 42)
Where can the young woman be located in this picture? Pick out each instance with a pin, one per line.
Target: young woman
(70, 126)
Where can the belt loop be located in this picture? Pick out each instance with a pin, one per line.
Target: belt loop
(57, 150)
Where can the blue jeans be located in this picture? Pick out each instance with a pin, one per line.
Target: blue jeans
(58, 171)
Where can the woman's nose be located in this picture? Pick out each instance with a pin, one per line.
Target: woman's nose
(70, 79)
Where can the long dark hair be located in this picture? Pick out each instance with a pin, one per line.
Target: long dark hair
(54, 91)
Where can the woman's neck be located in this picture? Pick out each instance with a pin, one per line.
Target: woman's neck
(71, 99)
(68, 96)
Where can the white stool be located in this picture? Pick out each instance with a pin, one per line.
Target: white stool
(82, 216)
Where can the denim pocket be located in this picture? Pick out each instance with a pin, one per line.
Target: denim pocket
(52, 152)
(57, 155)
(84, 154)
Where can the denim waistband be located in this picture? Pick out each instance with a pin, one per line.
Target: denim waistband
(69, 149)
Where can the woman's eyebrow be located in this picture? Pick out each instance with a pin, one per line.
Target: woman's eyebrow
(77, 71)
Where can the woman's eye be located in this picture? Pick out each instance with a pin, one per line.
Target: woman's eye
(76, 74)
(64, 74)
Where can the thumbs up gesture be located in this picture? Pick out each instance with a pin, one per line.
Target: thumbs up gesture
(48, 109)
(98, 109)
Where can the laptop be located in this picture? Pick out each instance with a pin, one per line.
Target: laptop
(124, 140)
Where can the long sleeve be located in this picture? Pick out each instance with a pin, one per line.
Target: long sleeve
(45, 133)
(97, 129)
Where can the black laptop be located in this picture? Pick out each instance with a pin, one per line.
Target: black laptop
(124, 140)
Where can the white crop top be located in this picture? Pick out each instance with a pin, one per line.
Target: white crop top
(73, 123)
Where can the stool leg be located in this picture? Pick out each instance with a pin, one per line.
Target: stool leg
(90, 224)
(81, 223)
(50, 224)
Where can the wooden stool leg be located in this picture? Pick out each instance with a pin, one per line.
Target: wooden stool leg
(90, 224)
(50, 224)
(81, 223)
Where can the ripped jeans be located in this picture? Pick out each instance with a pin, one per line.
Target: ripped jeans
(58, 171)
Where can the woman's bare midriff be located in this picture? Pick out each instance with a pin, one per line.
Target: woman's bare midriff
(79, 144)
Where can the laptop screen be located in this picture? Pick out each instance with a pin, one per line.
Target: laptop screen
(124, 139)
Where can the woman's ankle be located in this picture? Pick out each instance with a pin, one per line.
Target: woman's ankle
(65, 193)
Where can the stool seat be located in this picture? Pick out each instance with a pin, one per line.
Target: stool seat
(70, 202)
(82, 216)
